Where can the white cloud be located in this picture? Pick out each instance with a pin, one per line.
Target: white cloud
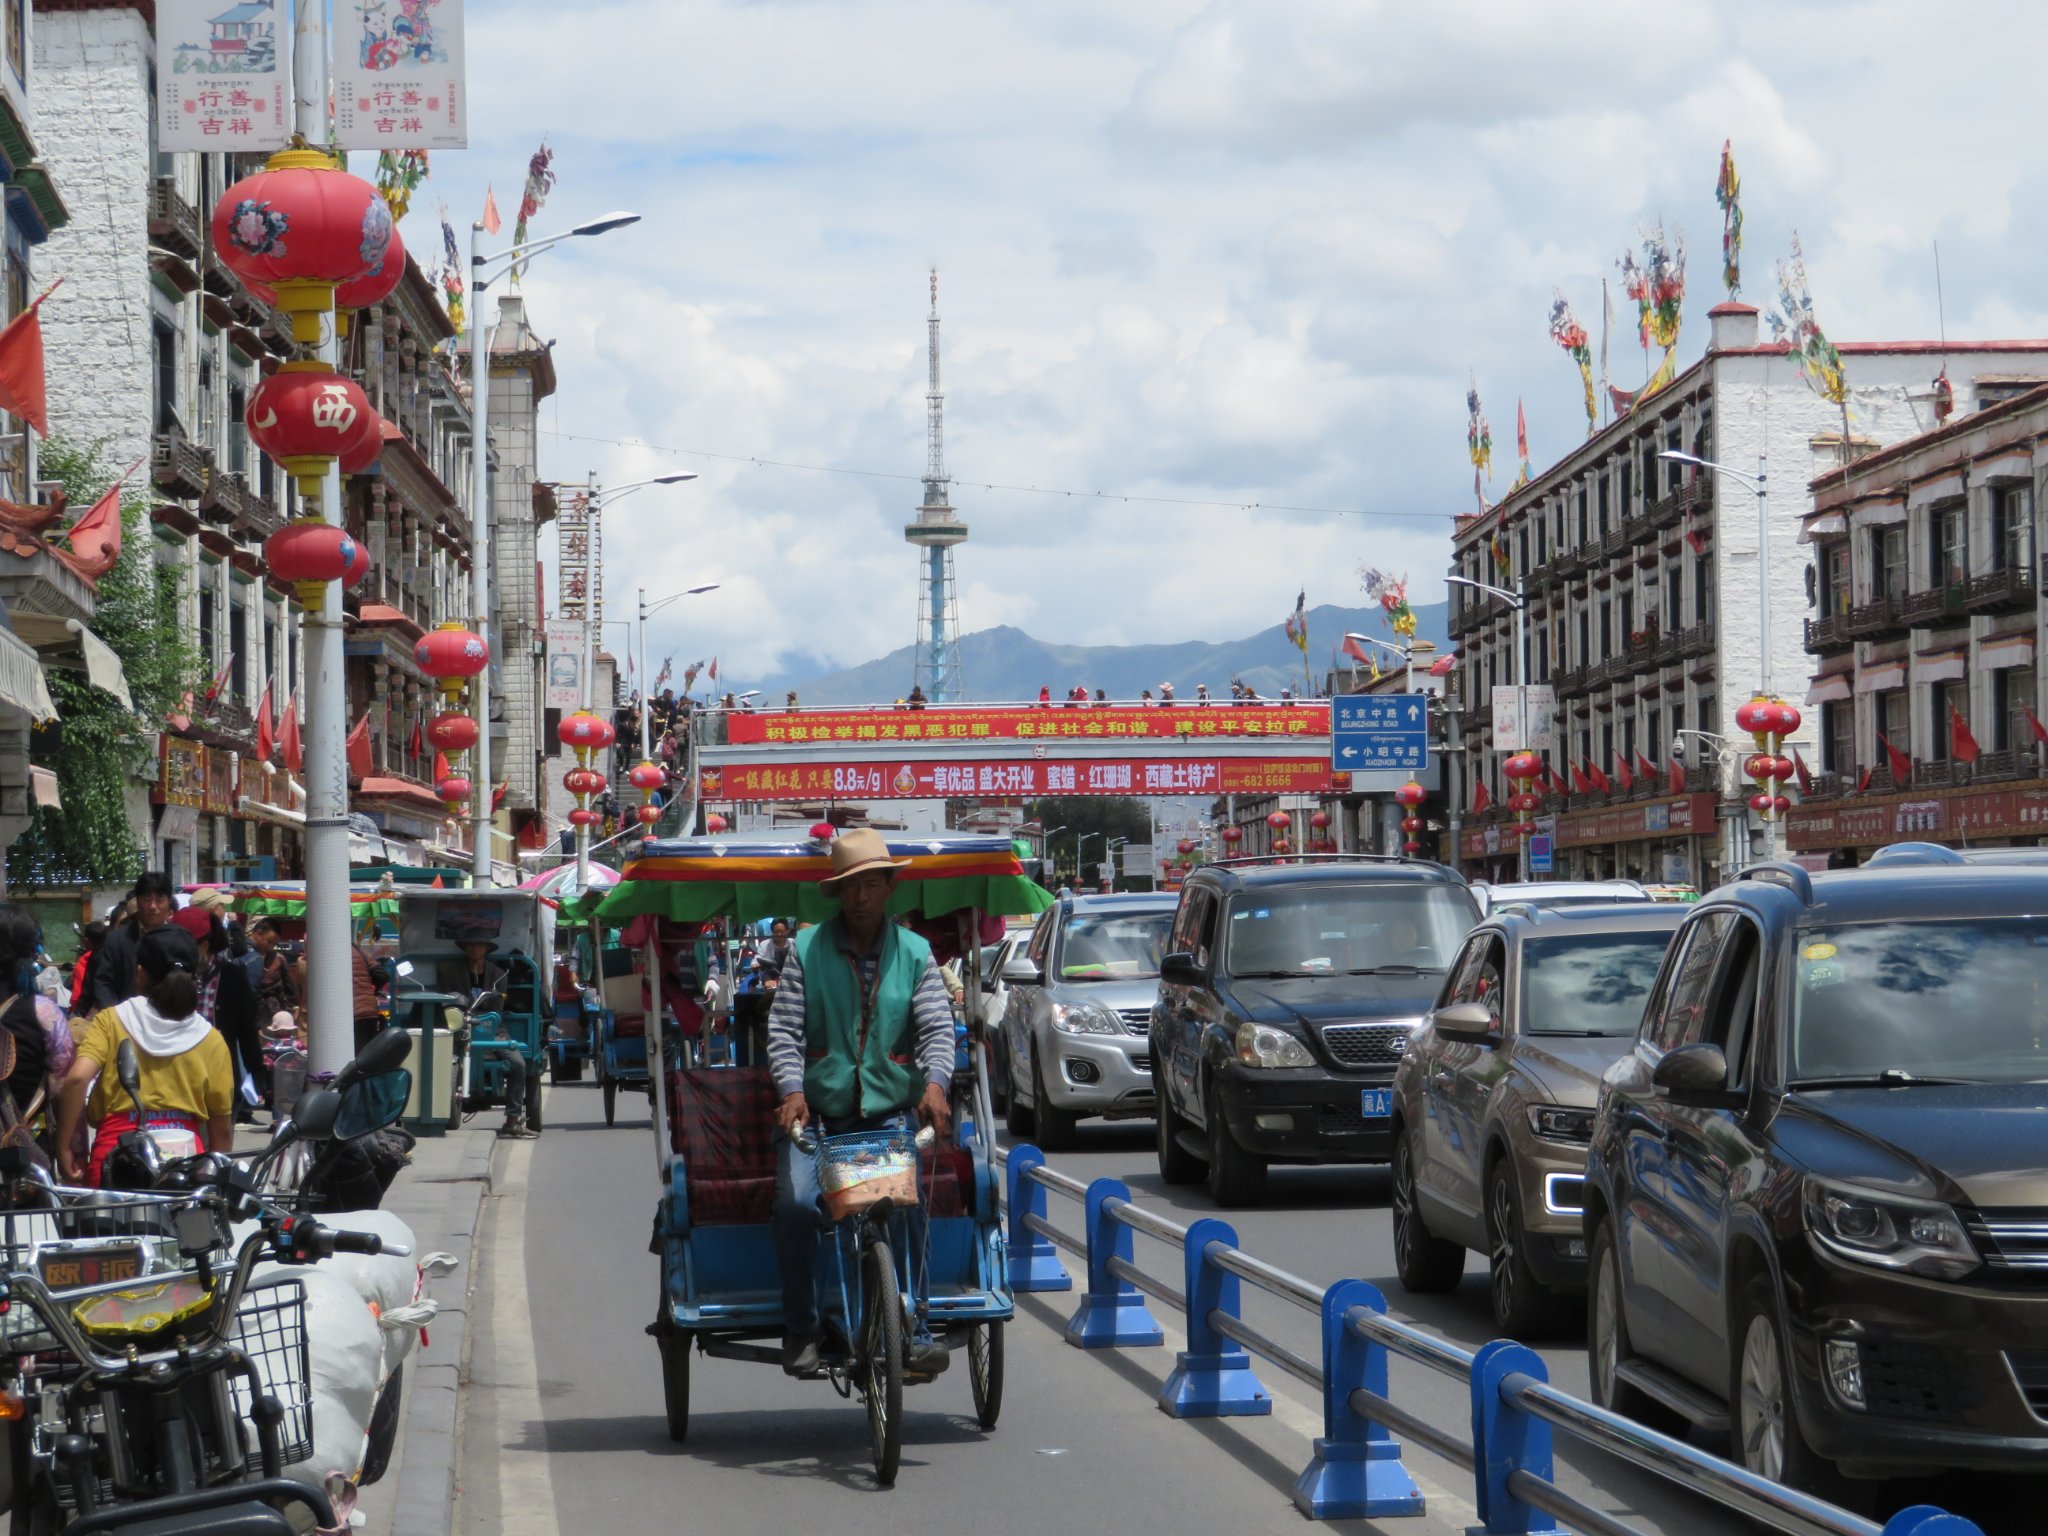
(1221, 250)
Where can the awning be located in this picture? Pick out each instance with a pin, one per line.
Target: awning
(1948, 487)
(1824, 526)
(1831, 689)
(2012, 464)
(22, 684)
(2006, 651)
(1881, 679)
(276, 815)
(1949, 667)
(68, 643)
(384, 788)
(1879, 514)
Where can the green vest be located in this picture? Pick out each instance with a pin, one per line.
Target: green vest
(841, 1077)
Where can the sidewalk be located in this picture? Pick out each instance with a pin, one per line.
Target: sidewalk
(441, 1197)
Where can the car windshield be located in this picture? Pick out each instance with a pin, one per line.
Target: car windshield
(1328, 929)
(1114, 946)
(1589, 983)
(1961, 999)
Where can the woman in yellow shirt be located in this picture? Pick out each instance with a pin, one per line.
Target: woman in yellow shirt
(187, 1072)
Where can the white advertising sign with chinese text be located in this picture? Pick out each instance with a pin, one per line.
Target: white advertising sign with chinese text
(398, 75)
(224, 78)
(565, 664)
(1526, 723)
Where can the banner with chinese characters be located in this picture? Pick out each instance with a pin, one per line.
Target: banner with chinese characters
(224, 77)
(399, 79)
(915, 780)
(220, 783)
(1057, 723)
(565, 663)
(1944, 815)
(181, 776)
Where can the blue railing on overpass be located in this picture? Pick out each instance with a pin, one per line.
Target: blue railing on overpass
(1356, 1471)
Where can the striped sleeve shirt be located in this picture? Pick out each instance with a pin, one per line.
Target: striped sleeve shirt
(930, 1011)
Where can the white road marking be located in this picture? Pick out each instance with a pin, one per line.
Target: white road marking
(526, 1487)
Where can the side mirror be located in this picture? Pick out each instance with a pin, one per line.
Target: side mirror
(372, 1103)
(387, 1050)
(314, 1115)
(1180, 971)
(1467, 1024)
(128, 1068)
(487, 1002)
(1022, 971)
(1695, 1075)
(404, 968)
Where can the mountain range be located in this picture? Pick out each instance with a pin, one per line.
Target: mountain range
(1006, 664)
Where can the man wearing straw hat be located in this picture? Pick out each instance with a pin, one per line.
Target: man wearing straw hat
(860, 1035)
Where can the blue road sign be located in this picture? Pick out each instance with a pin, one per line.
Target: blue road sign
(1539, 855)
(1379, 730)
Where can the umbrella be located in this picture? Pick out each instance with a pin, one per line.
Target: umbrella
(560, 882)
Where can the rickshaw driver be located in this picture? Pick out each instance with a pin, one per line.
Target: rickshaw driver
(860, 1034)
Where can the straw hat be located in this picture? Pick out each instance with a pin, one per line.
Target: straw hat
(212, 899)
(858, 850)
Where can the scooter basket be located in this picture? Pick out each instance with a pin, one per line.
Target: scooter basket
(270, 1329)
(858, 1170)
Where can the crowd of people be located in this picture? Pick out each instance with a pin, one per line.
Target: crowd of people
(1078, 696)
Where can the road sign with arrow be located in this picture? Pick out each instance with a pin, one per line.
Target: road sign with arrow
(1386, 731)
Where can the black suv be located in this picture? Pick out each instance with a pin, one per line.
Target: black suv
(1816, 1197)
(1286, 997)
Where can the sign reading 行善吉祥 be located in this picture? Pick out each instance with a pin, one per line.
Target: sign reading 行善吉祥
(398, 75)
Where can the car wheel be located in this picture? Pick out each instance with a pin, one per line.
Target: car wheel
(1018, 1115)
(1763, 1421)
(1236, 1177)
(1523, 1307)
(1426, 1263)
(1607, 1335)
(1055, 1125)
(1177, 1165)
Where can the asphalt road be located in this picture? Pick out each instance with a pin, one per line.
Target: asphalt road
(563, 1427)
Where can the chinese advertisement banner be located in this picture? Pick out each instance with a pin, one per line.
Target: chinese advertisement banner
(398, 75)
(224, 79)
(1057, 723)
(935, 781)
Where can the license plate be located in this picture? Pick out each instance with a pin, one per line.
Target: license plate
(1376, 1103)
(67, 1269)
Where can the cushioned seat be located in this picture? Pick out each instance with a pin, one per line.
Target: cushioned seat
(629, 1026)
(723, 1127)
(946, 1180)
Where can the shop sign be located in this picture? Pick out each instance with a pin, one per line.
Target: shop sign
(1961, 814)
(913, 779)
(1058, 722)
(181, 771)
(1680, 816)
(220, 784)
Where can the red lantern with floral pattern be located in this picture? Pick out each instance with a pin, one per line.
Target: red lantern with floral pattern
(714, 823)
(647, 814)
(451, 655)
(302, 227)
(1411, 794)
(453, 791)
(582, 816)
(647, 777)
(309, 553)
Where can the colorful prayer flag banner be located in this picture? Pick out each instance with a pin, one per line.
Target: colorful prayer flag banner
(1728, 194)
(540, 181)
(1566, 331)
(399, 75)
(224, 79)
(1478, 442)
(1792, 320)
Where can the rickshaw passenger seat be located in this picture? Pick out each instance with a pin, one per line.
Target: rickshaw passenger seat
(724, 1130)
(946, 1180)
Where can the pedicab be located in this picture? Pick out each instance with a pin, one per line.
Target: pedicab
(613, 1002)
(714, 1124)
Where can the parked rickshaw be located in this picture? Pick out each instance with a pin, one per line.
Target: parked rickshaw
(612, 1003)
(714, 1124)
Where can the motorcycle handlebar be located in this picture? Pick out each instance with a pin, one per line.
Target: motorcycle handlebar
(330, 1242)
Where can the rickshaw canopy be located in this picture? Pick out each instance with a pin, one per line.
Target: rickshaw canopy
(749, 876)
(287, 898)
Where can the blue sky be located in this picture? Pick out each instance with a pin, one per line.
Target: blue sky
(1235, 250)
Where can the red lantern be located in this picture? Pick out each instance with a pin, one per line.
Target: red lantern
(1782, 769)
(648, 814)
(821, 832)
(358, 565)
(1523, 765)
(453, 791)
(1411, 794)
(583, 781)
(647, 777)
(714, 822)
(1233, 835)
(1762, 804)
(306, 416)
(581, 817)
(1784, 718)
(449, 655)
(1319, 820)
(1411, 823)
(451, 732)
(1759, 765)
(1183, 846)
(1523, 802)
(302, 227)
(309, 553)
(581, 731)
(1279, 821)
(366, 447)
(1525, 829)
(1781, 804)
(377, 284)
(607, 733)
(1411, 847)
(1755, 716)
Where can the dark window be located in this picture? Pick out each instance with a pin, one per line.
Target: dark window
(237, 439)
(1950, 552)
(1838, 736)
(206, 620)
(1542, 657)
(2012, 526)
(1628, 489)
(238, 646)
(1944, 702)
(1834, 578)
(1674, 473)
(1600, 489)
(1702, 592)
(2012, 692)
(17, 39)
(1888, 556)
(1606, 628)
(1628, 615)
(1894, 719)
(1582, 514)
(1678, 1014)
(1674, 584)
(164, 341)
(1585, 637)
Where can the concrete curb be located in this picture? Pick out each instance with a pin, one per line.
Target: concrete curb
(442, 1197)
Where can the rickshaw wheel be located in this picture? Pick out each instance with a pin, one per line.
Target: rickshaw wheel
(675, 1383)
(881, 1363)
(985, 1373)
(611, 1101)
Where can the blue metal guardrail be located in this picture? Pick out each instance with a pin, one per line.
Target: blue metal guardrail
(1356, 1472)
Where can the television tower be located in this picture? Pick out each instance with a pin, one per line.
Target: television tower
(936, 531)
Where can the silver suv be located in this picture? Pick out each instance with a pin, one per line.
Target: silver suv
(1073, 1039)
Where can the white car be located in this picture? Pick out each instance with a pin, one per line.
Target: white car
(1545, 894)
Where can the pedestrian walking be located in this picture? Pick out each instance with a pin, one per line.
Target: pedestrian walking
(113, 971)
(226, 1000)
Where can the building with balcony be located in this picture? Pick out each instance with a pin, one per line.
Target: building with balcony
(1925, 633)
(1642, 580)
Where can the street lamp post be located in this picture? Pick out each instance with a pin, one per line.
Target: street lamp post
(1760, 484)
(480, 498)
(1520, 604)
(647, 611)
(1405, 652)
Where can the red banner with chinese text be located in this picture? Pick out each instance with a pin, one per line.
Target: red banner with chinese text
(915, 780)
(1054, 723)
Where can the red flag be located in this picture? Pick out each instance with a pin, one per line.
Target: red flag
(1902, 765)
(1645, 769)
(1623, 774)
(359, 759)
(95, 538)
(1581, 785)
(1599, 779)
(438, 884)
(2040, 730)
(266, 732)
(1677, 773)
(1481, 800)
(1556, 780)
(294, 754)
(416, 744)
(441, 769)
(1356, 651)
(220, 681)
(491, 222)
(1863, 781)
(22, 388)
(1962, 746)
(498, 795)
(714, 669)
(1799, 771)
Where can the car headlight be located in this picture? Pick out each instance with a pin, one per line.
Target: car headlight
(1085, 1019)
(1557, 1122)
(1917, 1237)
(1261, 1046)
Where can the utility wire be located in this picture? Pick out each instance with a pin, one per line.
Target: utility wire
(989, 485)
